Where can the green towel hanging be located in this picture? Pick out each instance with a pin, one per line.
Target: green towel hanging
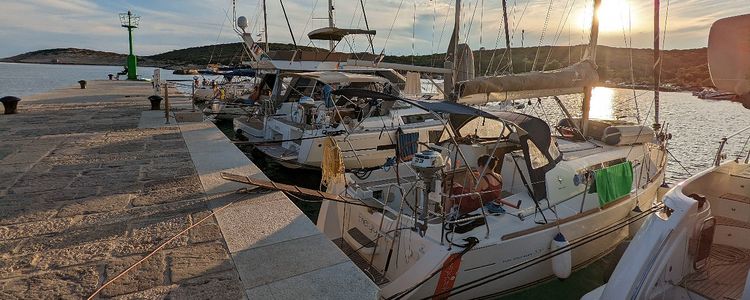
(614, 182)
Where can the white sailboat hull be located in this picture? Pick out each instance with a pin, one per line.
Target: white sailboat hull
(510, 242)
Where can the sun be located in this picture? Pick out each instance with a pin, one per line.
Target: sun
(614, 16)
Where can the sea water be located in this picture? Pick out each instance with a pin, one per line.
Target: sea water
(27, 79)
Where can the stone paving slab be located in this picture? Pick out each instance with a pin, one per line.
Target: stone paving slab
(155, 119)
(213, 153)
(85, 192)
(319, 284)
(86, 189)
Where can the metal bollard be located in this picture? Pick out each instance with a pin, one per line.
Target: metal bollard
(11, 104)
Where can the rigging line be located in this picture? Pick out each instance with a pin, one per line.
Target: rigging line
(291, 32)
(339, 201)
(432, 41)
(466, 36)
(351, 47)
(532, 262)
(413, 31)
(354, 15)
(481, 33)
(559, 30)
(648, 113)
(445, 23)
(629, 44)
(367, 25)
(388, 37)
(159, 248)
(471, 22)
(472, 241)
(497, 43)
(742, 151)
(541, 37)
(679, 162)
(309, 19)
(513, 33)
(664, 40)
(257, 16)
(221, 29)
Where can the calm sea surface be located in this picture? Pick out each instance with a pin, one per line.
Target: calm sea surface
(697, 127)
(27, 79)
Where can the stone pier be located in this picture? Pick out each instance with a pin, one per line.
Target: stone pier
(92, 182)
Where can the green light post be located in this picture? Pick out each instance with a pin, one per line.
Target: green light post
(130, 21)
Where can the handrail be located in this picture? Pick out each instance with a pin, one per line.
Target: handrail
(718, 158)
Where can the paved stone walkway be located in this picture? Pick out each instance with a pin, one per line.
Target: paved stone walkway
(84, 194)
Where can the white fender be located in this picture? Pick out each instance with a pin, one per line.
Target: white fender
(562, 264)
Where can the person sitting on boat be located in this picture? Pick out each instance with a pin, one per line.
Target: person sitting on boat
(255, 95)
(490, 185)
(489, 190)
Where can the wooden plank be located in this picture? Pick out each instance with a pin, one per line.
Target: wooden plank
(735, 197)
(731, 222)
(721, 279)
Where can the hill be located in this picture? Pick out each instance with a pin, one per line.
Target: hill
(74, 56)
(681, 68)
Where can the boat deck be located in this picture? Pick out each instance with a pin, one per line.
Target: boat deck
(362, 263)
(724, 276)
(278, 152)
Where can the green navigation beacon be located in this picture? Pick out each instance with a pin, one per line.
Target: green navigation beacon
(130, 21)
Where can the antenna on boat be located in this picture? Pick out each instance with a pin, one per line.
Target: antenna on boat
(657, 66)
(590, 54)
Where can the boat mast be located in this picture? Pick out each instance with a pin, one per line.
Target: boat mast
(330, 23)
(265, 24)
(657, 65)
(507, 37)
(593, 40)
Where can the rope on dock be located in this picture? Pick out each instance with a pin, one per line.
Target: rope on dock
(164, 244)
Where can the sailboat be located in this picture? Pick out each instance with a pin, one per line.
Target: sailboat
(695, 246)
(298, 112)
(420, 228)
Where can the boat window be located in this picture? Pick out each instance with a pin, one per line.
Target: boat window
(537, 158)
(553, 151)
(300, 88)
(484, 128)
(411, 119)
(400, 105)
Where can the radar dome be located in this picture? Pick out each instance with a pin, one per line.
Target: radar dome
(242, 22)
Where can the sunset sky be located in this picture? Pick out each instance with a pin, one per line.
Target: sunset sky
(171, 24)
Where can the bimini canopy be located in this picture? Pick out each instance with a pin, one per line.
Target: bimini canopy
(729, 54)
(535, 139)
(569, 80)
(440, 107)
(331, 77)
(335, 34)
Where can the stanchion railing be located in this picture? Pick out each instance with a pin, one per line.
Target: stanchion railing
(719, 156)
